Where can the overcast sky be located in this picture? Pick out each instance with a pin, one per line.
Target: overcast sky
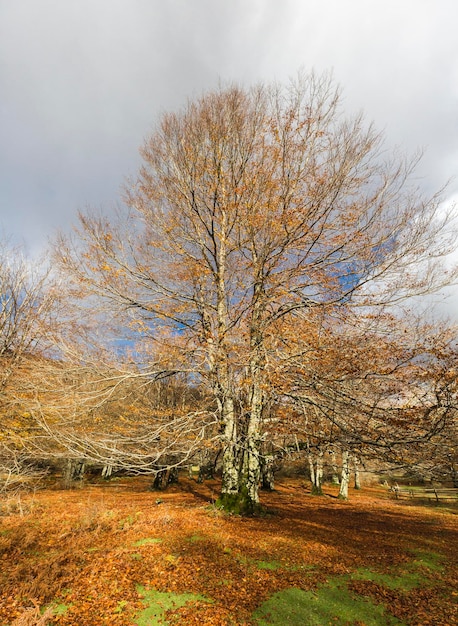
(82, 82)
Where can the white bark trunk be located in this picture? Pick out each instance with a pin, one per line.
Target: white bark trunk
(345, 476)
(230, 472)
(316, 472)
(335, 474)
(312, 469)
(357, 473)
(252, 463)
(107, 471)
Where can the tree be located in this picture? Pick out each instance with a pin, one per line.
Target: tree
(100, 414)
(26, 301)
(381, 388)
(254, 207)
(27, 298)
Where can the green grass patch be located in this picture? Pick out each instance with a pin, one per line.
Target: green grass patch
(157, 603)
(196, 538)
(60, 609)
(403, 582)
(129, 521)
(335, 603)
(173, 559)
(121, 606)
(264, 564)
(147, 541)
(411, 577)
(270, 565)
(429, 560)
(331, 604)
(302, 568)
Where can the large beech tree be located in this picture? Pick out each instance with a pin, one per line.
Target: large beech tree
(252, 206)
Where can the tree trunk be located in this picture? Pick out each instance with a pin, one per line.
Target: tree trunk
(312, 469)
(267, 473)
(230, 473)
(251, 469)
(164, 477)
(246, 501)
(107, 471)
(160, 480)
(240, 488)
(316, 472)
(345, 476)
(73, 471)
(67, 473)
(357, 473)
(335, 472)
(454, 473)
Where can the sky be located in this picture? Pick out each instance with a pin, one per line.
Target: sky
(83, 82)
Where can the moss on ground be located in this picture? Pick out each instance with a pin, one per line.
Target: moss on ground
(331, 604)
(335, 603)
(157, 603)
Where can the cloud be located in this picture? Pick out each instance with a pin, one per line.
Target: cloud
(83, 82)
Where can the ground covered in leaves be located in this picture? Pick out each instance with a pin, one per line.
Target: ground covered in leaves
(119, 554)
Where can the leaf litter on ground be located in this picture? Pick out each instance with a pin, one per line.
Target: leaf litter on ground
(100, 552)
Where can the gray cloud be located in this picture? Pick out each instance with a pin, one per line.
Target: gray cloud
(82, 82)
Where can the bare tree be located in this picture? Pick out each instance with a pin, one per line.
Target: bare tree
(254, 206)
(27, 298)
(114, 417)
(385, 389)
